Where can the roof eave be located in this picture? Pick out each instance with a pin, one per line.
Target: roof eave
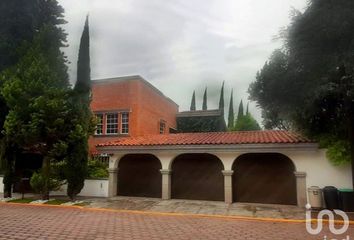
(268, 147)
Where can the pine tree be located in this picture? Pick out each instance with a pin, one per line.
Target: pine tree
(205, 100)
(193, 107)
(240, 110)
(20, 22)
(37, 101)
(76, 164)
(221, 101)
(231, 117)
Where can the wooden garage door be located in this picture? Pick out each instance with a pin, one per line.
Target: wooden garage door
(139, 175)
(198, 177)
(264, 178)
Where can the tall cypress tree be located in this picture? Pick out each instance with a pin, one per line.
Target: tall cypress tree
(231, 118)
(221, 101)
(193, 107)
(240, 110)
(83, 82)
(205, 100)
(247, 112)
(76, 166)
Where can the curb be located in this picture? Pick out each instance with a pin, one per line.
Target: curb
(225, 217)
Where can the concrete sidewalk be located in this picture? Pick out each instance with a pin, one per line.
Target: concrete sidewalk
(199, 207)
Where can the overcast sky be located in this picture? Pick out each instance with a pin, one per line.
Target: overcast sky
(179, 45)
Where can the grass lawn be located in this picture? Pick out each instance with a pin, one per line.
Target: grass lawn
(51, 202)
(25, 200)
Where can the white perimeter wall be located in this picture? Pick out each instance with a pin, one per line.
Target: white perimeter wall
(1, 185)
(92, 188)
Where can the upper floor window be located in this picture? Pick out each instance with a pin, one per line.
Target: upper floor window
(99, 126)
(125, 123)
(112, 123)
(162, 127)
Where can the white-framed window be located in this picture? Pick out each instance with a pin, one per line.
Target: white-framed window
(112, 123)
(162, 127)
(99, 126)
(125, 123)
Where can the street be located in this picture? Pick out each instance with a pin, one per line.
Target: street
(45, 222)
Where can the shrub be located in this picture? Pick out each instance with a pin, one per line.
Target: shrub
(38, 183)
(97, 169)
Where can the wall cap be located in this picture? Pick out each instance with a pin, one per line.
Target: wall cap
(112, 170)
(165, 171)
(300, 174)
(227, 172)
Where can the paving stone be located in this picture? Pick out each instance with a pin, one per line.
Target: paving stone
(43, 222)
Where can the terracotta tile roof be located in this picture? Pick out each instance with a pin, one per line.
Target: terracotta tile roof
(212, 138)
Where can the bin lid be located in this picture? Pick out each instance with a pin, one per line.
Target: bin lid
(346, 190)
(314, 188)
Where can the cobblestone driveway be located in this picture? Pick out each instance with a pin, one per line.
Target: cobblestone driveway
(41, 222)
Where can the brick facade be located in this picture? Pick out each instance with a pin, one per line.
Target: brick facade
(133, 96)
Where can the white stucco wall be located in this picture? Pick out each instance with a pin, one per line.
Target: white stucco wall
(320, 171)
(92, 188)
(1, 185)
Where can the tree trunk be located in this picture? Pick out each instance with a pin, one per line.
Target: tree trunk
(351, 139)
(46, 176)
(350, 117)
(7, 190)
(8, 181)
(352, 157)
(9, 172)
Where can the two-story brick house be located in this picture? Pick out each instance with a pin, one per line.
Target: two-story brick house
(129, 107)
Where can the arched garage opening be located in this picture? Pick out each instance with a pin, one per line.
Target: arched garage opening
(139, 176)
(198, 177)
(264, 178)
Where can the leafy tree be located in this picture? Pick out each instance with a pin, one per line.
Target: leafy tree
(205, 100)
(193, 107)
(246, 123)
(308, 84)
(270, 91)
(231, 118)
(81, 120)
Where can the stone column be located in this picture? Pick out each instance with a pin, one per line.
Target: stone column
(301, 189)
(228, 185)
(166, 184)
(112, 182)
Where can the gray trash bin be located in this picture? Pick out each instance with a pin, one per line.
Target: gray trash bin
(315, 196)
